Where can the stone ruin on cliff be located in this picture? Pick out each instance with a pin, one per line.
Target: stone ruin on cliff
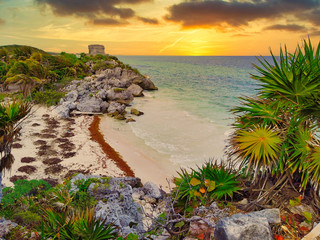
(96, 49)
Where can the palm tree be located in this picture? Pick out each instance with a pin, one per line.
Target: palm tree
(11, 115)
(276, 131)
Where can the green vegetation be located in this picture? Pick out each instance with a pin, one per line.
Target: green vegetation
(56, 213)
(41, 76)
(209, 182)
(10, 115)
(276, 132)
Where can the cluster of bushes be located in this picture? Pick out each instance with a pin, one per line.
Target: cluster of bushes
(31, 68)
(53, 212)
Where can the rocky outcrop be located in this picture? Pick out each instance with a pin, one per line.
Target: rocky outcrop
(6, 226)
(108, 91)
(254, 225)
(124, 202)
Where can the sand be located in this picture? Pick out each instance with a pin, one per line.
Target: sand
(52, 149)
(142, 163)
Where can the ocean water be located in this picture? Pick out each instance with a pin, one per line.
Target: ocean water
(188, 120)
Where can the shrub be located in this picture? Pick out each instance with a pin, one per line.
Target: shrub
(23, 188)
(202, 186)
(78, 225)
(48, 97)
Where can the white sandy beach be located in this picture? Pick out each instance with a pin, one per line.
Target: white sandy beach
(88, 154)
(141, 162)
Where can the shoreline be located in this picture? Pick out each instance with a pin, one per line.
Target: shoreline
(107, 149)
(145, 167)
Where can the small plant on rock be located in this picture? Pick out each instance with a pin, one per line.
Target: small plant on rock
(202, 186)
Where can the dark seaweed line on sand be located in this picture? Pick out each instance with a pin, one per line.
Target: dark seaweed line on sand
(107, 149)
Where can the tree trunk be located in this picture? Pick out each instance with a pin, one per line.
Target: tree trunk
(0, 186)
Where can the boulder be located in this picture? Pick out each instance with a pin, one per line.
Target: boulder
(200, 227)
(89, 104)
(102, 94)
(111, 95)
(71, 96)
(130, 120)
(100, 77)
(119, 117)
(136, 112)
(145, 83)
(272, 215)
(152, 190)
(114, 82)
(116, 107)
(242, 227)
(117, 72)
(64, 109)
(104, 106)
(135, 90)
(6, 226)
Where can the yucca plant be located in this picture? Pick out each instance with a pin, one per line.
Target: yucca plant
(275, 131)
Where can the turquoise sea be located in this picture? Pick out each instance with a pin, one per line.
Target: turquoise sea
(188, 120)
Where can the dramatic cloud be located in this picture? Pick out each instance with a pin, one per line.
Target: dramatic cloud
(107, 22)
(289, 27)
(315, 33)
(100, 12)
(148, 20)
(235, 13)
(312, 16)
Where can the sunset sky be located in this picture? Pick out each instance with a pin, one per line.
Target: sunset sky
(160, 27)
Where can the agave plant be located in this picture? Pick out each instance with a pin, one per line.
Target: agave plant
(275, 132)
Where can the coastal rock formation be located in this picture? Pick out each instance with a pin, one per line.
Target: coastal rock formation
(254, 225)
(109, 91)
(6, 226)
(124, 201)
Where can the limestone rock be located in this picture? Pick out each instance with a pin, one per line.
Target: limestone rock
(116, 107)
(201, 227)
(152, 190)
(136, 112)
(104, 106)
(89, 104)
(135, 90)
(102, 94)
(130, 120)
(242, 227)
(6, 226)
(272, 215)
(64, 109)
(120, 117)
(71, 96)
(145, 83)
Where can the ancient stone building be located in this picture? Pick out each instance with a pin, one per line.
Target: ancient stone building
(96, 49)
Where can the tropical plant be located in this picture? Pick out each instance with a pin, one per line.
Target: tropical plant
(47, 97)
(79, 225)
(211, 181)
(25, 74)
(276, 131)
(10, 115)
